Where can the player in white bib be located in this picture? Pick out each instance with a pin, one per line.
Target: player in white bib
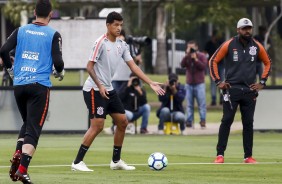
(99, 95)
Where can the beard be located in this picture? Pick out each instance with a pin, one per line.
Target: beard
(247, 38)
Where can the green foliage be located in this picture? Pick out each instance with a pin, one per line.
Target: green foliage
(219, 12)
(13, 8)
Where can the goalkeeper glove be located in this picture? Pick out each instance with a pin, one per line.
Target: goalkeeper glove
(59, 75)
(11, 72)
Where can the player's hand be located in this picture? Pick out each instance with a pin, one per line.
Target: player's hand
(59, 75)
(104, 93)
(224, 85)
(257, 86)
(157, 88)
(11, 72)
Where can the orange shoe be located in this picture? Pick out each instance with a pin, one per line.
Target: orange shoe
(219, 159)
(250, 160)
(15, 162)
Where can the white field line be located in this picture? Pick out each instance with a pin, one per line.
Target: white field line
(107, 165)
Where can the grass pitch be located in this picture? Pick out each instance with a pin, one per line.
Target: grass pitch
(190, 160)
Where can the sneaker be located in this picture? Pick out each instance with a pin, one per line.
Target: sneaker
(81, 166)
(15, 165)
(24, 178)
(250, 160)
(203, 124)
(161, 132)
(144, 131)
(183, 132)
(219, 159)
(121, 165)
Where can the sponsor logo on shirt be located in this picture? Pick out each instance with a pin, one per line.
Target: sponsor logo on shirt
(235, 55)
(28, 69)
(30, 55)
(36, 33)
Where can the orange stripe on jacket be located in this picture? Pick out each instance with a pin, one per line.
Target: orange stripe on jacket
(264, 57)
(98, 46)
(45, 108)
(217, 57)
(92, 102)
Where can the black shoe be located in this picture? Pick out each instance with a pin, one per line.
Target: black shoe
(203, 124)
(24, 178)
(15, 165)
(213, 103)
(188, 124)
(144, 131)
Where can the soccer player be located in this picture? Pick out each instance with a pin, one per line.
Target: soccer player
(99, 95)
(38, 48)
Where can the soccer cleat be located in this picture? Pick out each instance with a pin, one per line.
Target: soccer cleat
(81, 166)
(15, 165)
(24, 178)
(250, 160)
(121, 165)
(219, 159)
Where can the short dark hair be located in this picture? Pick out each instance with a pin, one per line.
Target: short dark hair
(192, 42)
(43, 8)
(122, 33)
(113, 16)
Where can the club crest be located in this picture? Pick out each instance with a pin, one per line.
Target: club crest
(100, 110)
(253, 50)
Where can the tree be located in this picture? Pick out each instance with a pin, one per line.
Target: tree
(13, 9)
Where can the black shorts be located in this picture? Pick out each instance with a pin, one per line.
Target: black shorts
(99, 107)
(33, 103)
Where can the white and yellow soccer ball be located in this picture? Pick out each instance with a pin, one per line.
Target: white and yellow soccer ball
(157, 161)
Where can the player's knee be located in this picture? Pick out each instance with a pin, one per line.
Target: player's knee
(122, 124)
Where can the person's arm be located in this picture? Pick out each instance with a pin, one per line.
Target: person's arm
(181, 93)
(201, 61)
(9, 45)
(57, 52)
(184, 62)
(217, 57)
(57, 56)
(263, 56)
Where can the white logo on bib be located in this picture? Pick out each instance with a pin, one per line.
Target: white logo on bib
(253, 50)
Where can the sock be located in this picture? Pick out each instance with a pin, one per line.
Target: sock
(25, 160)
(116, 154)
(81, 153)
(19, 145)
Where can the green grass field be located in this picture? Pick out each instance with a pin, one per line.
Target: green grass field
(190, 160)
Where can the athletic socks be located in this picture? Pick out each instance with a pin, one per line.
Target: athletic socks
(81, 153)
(116, 154)
(25, 160)
(19, 145)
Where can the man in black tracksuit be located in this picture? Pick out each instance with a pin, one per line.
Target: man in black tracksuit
(239, 88)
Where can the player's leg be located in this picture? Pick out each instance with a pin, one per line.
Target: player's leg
(247, 108)
(21, 100)
(93, 101)
(227, 120)
(117, 112)
(37, 108)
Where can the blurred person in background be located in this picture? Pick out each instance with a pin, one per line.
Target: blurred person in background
(210, 48)
(134, 99)
(239, 88)
(172, 104)
(195, 63)
(101, 98)
(38, 48)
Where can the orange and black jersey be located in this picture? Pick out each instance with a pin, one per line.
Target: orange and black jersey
(240, 62)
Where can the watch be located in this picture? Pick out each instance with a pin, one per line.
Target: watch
(262, 82)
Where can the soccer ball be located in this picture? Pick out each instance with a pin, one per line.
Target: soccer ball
(157, 161)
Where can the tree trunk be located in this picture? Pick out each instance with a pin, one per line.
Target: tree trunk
(161, 62)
